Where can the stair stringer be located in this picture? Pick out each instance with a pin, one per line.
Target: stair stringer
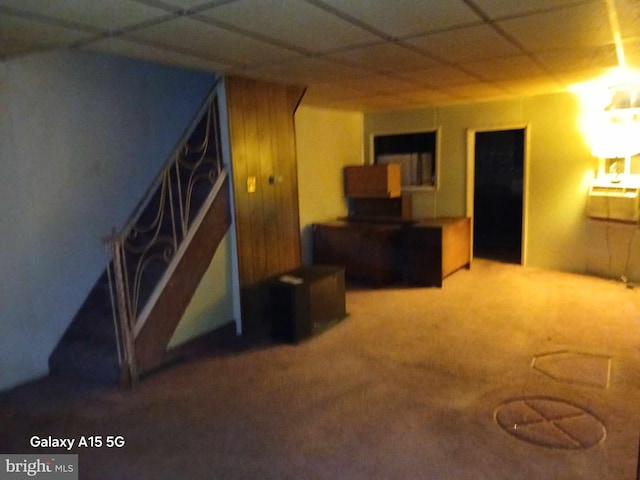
(159, 319)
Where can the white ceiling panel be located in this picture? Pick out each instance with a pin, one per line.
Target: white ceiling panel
(102, 14)
(632, 53)
(184, 5)
(509, 8)
(353, 54)
(505, 68)
(578, 59)
(377, 84)
(426, 97)
(386, 57)
(575, 27)
(402, 18)
(18, 36)
(305, 70)
(288, 22)
(476, 91)
(337, 90)
(571, 79)
(437, 77)
(119, 46)
(375, 103)
(460, 45)
(201, 39)
(532, 86)
(628, 14)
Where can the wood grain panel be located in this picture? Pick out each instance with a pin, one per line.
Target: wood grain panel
(240, 174)
(267, 224)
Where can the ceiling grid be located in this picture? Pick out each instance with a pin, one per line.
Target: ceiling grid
(366, 55)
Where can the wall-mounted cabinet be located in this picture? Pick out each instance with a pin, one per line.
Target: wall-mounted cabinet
(372, 181)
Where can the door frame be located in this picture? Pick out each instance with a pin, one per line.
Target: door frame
(471, 164)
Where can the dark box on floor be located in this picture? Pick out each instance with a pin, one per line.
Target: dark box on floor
(306, 301)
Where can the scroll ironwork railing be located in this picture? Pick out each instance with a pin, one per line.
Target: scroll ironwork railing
(146, 248)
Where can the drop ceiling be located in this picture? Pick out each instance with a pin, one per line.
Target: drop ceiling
(361, 55)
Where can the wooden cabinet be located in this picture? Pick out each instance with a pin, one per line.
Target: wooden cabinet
(420, 253)
(380, 209)
(435, 248)
(368, 252)
(372, 181)
(306, 301)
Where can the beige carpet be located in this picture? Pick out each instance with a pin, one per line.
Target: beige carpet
(504, 373)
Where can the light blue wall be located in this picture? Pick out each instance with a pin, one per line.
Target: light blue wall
(81, 137)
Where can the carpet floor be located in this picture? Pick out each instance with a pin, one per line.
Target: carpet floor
(504, 373)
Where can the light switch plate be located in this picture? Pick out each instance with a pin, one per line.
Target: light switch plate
(251, 184)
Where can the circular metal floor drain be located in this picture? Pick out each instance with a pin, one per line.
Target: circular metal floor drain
(550, 422)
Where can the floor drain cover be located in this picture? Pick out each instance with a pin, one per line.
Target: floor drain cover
(550, 422)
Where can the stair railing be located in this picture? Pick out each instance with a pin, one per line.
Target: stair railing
(144, 251)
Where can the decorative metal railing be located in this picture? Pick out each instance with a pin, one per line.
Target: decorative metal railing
(144, 251)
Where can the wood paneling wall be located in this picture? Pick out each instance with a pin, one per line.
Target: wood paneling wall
(261, 129)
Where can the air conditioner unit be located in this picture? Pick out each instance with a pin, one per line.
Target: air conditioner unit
(614, 201)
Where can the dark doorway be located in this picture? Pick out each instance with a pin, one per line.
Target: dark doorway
(498, 195)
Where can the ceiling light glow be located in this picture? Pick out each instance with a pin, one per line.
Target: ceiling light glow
(611, 113)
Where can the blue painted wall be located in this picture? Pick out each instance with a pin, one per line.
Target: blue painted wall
(81, 137)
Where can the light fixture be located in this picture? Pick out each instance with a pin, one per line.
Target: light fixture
(611, 119)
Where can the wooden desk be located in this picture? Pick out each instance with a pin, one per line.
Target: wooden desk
(421, 253)
(367, 251)
(436, 248)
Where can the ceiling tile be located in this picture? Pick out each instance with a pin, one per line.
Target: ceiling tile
(574, 78)
(508, 8)
(426, 97)
(373, 103)
(629, 18)
(440, 76)
(331, 90)
(376, 83)
(119, 46)
(292, 22)
(353, 54)
(201, 39)
(464, 44)
(476, 91)
(185, 5)
(402, 18)
(19, 36)
(505, 68)
(401, 101)
(304, 70)
(385, 57)
(632, 53)
(580, 26)
(532, 86)
(103, 14)
(578, 59)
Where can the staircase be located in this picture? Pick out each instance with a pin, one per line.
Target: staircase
(89, 348)
(157, 262)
